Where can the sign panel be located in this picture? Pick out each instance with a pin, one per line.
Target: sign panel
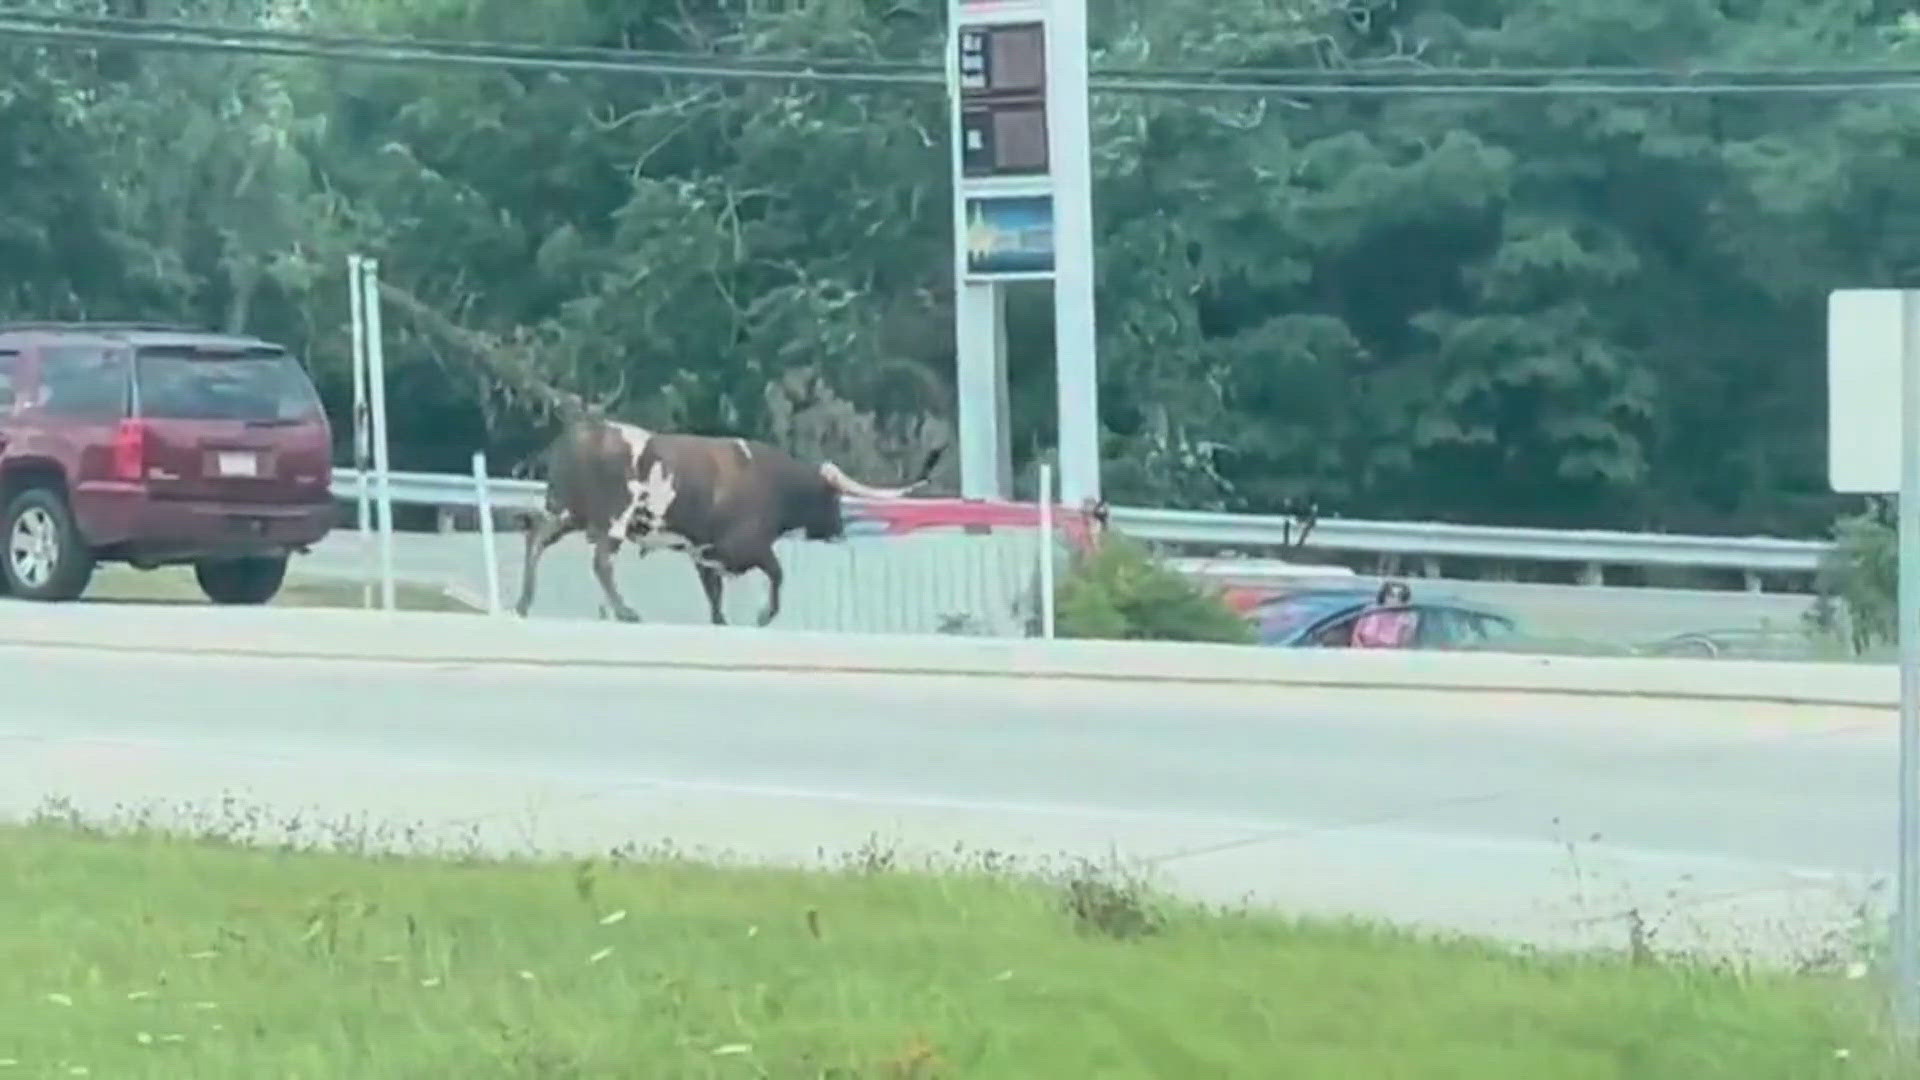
(1010, 140)
(1865, 332)
(1009, 236)
(1005, 58)
(1002, 77)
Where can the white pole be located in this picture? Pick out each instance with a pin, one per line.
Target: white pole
(1076, 372)
(484, 504)
(377, 384)
(1907, 923)
(356, 302)
(1046, 551)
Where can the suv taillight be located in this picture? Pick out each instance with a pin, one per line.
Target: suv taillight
(130, 450)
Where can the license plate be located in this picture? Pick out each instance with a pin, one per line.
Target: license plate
(239, 465)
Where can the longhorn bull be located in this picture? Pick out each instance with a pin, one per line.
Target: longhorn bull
(722, 501)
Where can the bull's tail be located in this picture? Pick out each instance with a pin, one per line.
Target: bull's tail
(847, 485)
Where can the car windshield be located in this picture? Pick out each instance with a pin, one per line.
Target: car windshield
(176, 384)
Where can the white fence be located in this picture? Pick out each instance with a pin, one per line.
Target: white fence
(937, 581)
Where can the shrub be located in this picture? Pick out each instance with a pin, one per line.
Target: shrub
(1860, 578)
(1120, 590)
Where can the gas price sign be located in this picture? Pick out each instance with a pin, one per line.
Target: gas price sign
(1003, 111)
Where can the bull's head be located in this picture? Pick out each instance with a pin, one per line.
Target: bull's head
(820, 515)
(823, 518)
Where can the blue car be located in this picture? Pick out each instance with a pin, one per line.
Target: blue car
(1324, 618)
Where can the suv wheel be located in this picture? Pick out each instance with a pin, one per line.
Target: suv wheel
(44, 557)
(252, 580)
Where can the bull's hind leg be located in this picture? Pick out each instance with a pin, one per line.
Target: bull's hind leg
(769, 564)
(544, 530)
(605, 547)
(737, 556)
(714, 584)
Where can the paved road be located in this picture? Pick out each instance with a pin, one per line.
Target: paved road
(1747, 828)
(903, 585)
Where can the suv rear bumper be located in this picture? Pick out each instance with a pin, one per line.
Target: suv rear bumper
(126, 520)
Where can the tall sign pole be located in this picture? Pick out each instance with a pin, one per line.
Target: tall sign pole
(1907, 926)
(1023, 211)
(1873, 447)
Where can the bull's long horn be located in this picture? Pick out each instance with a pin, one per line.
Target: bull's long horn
(849, 486)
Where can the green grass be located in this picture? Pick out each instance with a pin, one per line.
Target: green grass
(140, 956)
(175, 585)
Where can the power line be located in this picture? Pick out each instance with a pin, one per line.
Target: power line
(82, 31)
(1403, 72)
(56, 30)
(145, 26)
(1407, 73)
(1514, 89)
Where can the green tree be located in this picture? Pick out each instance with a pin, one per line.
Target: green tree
(1576, 310)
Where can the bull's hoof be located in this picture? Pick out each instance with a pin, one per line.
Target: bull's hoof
(765, 617)
(627, 615)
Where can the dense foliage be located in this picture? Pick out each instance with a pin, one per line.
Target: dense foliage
(1568, 310)
(1118, 590)
(1858, 581)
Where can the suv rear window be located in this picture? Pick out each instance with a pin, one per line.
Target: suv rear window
(83, 382)
(179, 384)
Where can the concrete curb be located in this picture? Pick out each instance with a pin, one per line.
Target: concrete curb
(426, 638)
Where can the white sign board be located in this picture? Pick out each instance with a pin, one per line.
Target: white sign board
(1864, 334)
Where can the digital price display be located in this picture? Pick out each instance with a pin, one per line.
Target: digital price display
(1003, 112)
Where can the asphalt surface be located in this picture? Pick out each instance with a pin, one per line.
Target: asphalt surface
(1742, 828)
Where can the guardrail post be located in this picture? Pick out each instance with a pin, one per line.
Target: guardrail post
(356, 304)
(377, 395)
(484, 504)
(1046, 551)
(1754, 582)
(1593, 574)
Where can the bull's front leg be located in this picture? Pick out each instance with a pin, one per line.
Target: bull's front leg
(605, 547)
(543, 530)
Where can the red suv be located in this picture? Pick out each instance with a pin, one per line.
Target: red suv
(156, 445)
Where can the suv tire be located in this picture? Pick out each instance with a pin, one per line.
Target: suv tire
(251, 580)
(42, 555)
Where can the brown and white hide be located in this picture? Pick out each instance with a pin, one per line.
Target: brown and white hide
(722, 501)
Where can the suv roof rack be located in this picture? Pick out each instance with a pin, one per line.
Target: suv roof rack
(172, 328)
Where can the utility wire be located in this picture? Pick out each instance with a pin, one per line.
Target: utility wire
(1542, 89)
(82, 31)
(1391, 71)
(169, 27)
(399, 51)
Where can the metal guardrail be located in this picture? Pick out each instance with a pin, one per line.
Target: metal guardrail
(1757, 553)
(1407, 538)
(441, 489)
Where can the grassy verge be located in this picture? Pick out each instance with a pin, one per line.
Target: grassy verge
(175, 585)
(146, 956)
